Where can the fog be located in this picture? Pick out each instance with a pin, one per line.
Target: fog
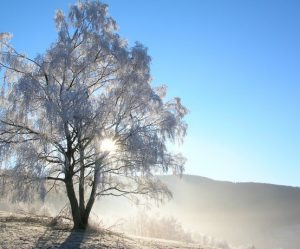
(264, 215)
(213, 213)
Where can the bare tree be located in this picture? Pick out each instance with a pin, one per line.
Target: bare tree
(84, 114)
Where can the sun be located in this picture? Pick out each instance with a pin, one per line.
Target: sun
(108, 145)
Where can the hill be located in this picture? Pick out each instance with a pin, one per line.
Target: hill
(265, 215)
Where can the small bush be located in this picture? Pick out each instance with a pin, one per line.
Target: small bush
(156, 226)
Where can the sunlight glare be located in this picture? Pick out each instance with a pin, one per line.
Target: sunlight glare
(108, 145)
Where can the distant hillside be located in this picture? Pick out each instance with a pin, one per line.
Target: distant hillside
(281, 204)
(263, 214)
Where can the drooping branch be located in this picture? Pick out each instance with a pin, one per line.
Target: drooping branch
(88, 87)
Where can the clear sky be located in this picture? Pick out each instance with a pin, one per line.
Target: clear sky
(235, 64)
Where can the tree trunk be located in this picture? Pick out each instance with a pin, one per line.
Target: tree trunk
(81, 176)
(77, 220)
(80, 212)
(85, 216)
(81, 182)
(80, 217)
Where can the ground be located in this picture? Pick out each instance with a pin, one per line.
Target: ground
(23, 231)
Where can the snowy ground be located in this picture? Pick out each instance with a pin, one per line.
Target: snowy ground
(21, 231)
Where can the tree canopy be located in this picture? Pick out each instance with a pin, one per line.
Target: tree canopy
(84, 114)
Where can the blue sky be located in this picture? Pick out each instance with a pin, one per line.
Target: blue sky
(235, 64)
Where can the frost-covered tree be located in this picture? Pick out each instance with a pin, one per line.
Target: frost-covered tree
(83, 114)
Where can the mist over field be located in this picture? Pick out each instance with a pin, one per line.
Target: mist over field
(214, 214)
(264, 215)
